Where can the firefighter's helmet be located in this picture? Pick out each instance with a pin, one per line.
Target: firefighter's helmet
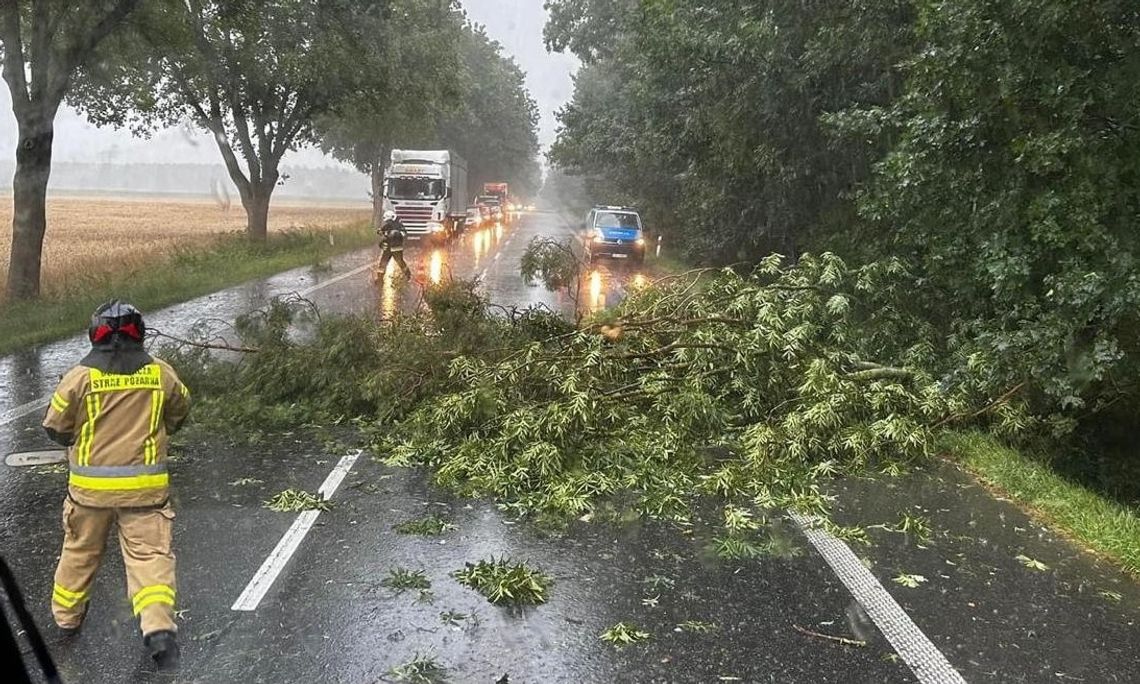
(389, 216)
(116, 320)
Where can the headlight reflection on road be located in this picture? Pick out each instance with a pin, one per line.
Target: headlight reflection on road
(388, 287)
(435, 266)
(479, 240)
(597, 293)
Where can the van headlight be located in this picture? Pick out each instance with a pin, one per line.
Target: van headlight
(435, 227)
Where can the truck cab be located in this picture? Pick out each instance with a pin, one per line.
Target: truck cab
(615, 232)
(427, 189)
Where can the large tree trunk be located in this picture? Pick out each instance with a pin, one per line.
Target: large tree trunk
(378, 166)
(29, 204)
(377, 196)
(257, 211)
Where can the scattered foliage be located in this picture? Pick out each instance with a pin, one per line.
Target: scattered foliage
(623, 634)
(697, 626)
(297, 500)
(421, 669)
(1032, 563)
(910, 581)
(736, 548)
(454, 619)
(914, 526)
(428, 526)
(403, 579)
(505, 583)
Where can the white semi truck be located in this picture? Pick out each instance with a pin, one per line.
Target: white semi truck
(428, 191)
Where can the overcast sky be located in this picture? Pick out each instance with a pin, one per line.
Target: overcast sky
(517, 24)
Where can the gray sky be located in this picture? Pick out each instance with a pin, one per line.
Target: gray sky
(517, 24)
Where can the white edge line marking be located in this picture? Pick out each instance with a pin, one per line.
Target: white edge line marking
(267, 574)
(32, 406)
(331, 281)
(915, 648)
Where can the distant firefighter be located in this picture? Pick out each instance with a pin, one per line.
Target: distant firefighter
(392, 238)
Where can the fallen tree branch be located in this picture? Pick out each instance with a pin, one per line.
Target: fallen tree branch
(839, 640)
(985, 409)
(220, 346)
(672, 346)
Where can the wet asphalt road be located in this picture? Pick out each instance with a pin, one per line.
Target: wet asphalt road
(327, 619)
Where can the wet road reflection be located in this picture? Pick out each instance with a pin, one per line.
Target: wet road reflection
(435, 266)
(484, 241)
(607, 286)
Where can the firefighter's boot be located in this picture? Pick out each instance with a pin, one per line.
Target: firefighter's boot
(162, 648)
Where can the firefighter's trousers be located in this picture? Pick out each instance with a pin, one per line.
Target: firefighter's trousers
(145, 540)
(398, 255)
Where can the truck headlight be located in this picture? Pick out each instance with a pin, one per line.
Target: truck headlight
(640, 242)
(435, 227)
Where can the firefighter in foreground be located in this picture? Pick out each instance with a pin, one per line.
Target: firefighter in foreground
(392, 238)
(114, 412)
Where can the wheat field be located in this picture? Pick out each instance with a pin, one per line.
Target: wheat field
(97, 235)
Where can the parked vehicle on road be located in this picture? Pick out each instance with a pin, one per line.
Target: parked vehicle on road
(615, 232)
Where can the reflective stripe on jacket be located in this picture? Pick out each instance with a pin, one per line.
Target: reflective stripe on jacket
(120, 426)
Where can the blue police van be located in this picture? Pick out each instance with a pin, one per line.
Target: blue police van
(615, 232)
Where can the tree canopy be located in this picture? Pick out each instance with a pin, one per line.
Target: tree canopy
(991, 147)
(254, 73)
(44, 45)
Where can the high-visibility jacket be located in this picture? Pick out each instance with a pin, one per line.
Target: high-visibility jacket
(118, 426)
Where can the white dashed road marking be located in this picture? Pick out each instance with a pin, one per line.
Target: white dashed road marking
(914, 647)
(267, 574)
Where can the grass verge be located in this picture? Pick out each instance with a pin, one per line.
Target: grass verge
(184, 275)
(1105, 526)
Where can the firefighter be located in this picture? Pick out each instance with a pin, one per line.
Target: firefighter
(392, 238)
(114, 411)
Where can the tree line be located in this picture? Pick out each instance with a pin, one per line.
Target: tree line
(991, 147)
(356, 77)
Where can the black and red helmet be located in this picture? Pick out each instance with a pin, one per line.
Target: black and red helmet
(116, 319)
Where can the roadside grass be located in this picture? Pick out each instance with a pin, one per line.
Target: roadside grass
(666, 263)
(1109, 528)
(185, 274)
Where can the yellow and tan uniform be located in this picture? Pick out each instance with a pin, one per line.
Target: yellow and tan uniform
(120, 425)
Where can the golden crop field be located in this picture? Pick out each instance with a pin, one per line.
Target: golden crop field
(103, 235)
